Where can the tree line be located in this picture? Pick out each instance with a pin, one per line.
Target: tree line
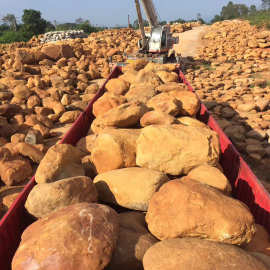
(33, 24)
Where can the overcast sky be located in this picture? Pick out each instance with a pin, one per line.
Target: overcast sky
(115, 12)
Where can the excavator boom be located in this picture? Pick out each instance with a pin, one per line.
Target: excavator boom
(150, 12)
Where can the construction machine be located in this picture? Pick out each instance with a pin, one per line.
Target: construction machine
(158, 43)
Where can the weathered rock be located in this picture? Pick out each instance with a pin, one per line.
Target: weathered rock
(21, 92)
(260, 242)
(86, 237)
(86, 144)
(190, 103)
(172, 86)
(107, 102)
(29, 151)
(140, 93)
(148, 78)
(117, 86)
(157, 118)
(134, 240)
(173, 144)
(211, 176)
(55, 52)
(123, 116)
(49, 197)
(15, 171)
(130, 187)
(187, 208)
(188, 121)
(69, 117)
(61, 161)
(165, 103)
(167, 77)
(193, 254)
(115, 149)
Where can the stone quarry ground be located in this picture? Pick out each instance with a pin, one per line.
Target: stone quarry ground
(44, 88)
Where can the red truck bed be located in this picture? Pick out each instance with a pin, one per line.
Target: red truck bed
(246, 186)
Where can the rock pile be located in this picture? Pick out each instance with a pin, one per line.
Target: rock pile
(235, 86)
(166, 177)
(62, 35)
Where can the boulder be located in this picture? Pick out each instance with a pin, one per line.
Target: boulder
(129, 187)
(107, 102)
(211, 176)
(148, 78)
(86, 144)
(189, 121)
(190, 103)
(21, 92)
(167, 77)
(86, 238)
(69, 117)
(187, 208)
(261, 241)
(115, 149)
(55, 52)
(61, 161)
(30, 151)
(177, 149)
(123, 116)
(172, 86)
(49, 197)
(197, 254)
(134, 240)
(165, 103)
(140, 93)
(15, 171)
(157, 118)
(117, 86)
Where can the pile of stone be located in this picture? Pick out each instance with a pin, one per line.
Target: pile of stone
(235, 86)
(146, 153)
(62, 35)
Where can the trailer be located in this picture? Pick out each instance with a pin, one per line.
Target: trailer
(246, 187)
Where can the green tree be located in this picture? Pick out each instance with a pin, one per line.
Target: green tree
(10, 19)
(178, 21)
(136, 23)
(32, 22)
(266, 4)
(252, 9)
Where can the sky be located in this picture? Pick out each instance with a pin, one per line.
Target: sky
(115, 12)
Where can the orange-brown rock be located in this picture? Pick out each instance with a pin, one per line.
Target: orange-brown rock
(134, 240)
(69, 117)
(193, 254)
(55, 52)
(190, 103)
(172, 86)
(157, 118)
(129, 187)
(261, 241)
(115, 149)
(167, 77)
(93, 229)
(86, 144)
(168, 152)
(117, 86)
(165, 103)
(148, 77)
(140, 93)
(124, 116)
(61, 161)
(107, 102)
(211, 176)
(30, 151)
(187, 208)
(49, 197)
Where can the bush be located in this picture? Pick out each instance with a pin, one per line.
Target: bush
(11, 36)
(260, 18)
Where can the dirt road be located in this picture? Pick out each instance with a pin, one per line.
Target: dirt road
(190, 41)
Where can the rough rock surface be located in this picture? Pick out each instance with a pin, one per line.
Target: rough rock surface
(176, 149)
(187, 208)
(211, 176)
(93, 229)
(115, 149)
(49, 197)
(61, 161)
(194, 254)
(130, 187)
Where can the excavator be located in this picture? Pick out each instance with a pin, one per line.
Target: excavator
(156, 45)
